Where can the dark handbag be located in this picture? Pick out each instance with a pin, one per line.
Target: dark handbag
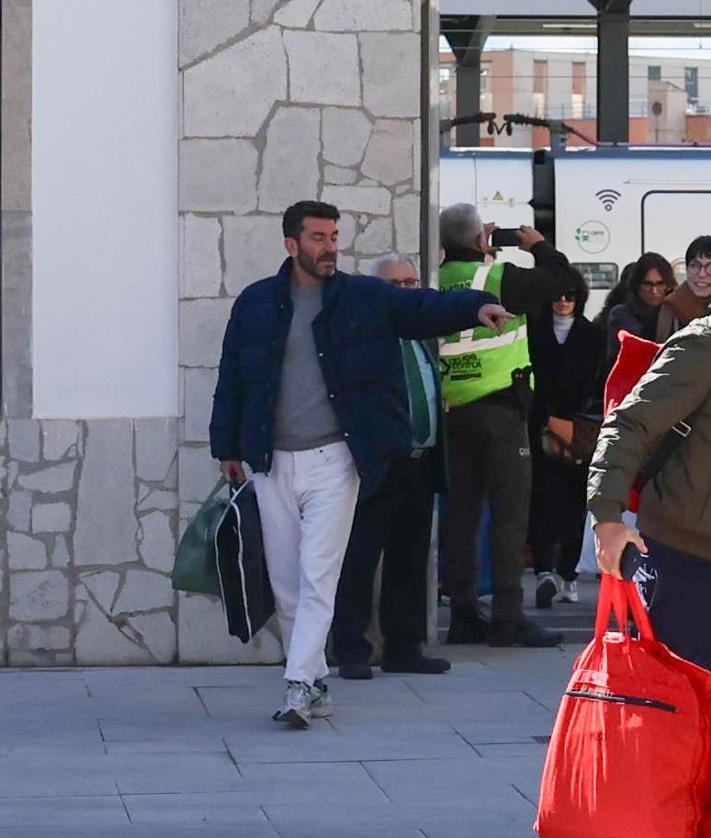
(571, 440)
(241, 566)
(195, 568)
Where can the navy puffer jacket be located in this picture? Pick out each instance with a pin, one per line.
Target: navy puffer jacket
(356, 335)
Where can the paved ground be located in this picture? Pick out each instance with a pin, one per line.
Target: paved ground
(192, 751)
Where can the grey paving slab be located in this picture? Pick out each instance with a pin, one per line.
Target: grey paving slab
(186, 676)
(46, 736)
(163, 773)
(448, 784)
(193, 752)
(126, 702)
(302, 783)
(183, 744)
(26, 702)
(342, 821)
(209, 809)
(501, 825)
(512, 750)
(48, 775)
(232, 702)
(293, 784)
(99, 811)
(138, 728)
(353, 822)
(524, 773)
(501, 732)
(323, 743)
(488, 705)
(389, 727)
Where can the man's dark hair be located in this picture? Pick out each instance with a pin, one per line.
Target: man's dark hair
(647, 262)
(698, 247)
(293, 221)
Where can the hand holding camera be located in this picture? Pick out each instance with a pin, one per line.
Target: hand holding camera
(524, 237)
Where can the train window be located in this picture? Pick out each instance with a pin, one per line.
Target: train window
(599, 275)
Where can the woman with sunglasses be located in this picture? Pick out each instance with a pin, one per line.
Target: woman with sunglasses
(651, 281)
(691, 298)
(567, 354)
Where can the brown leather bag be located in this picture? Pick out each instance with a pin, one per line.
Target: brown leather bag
(570, 440)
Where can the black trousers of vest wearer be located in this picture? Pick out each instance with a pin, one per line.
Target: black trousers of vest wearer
(397, 522)
(489, 459)
(557, 513)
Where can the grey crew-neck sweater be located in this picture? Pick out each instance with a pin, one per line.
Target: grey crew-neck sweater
(304, 415)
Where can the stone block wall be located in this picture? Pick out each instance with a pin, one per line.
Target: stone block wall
(280, 100)
(90, 512)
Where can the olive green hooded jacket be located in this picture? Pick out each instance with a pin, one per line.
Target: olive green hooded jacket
(675, 506)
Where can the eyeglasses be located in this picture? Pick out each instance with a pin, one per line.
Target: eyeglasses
(697, 267)
(407, 282)
(654, 286)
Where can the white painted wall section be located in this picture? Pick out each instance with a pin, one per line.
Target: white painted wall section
(105, 217)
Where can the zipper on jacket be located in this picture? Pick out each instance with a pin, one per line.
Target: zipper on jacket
(622, 699)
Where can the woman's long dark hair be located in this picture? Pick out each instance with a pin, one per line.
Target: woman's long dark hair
(646, 263)
(618, 294)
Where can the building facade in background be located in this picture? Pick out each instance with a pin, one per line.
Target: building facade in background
(670, 98)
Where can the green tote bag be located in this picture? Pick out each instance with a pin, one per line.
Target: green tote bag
(195, 568)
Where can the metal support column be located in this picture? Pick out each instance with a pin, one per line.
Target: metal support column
(467, 35)
(468, 94)
(613, 76)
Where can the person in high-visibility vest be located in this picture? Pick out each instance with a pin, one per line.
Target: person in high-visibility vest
(485, 384)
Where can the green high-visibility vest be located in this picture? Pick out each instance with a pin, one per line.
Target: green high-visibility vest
(479, 362)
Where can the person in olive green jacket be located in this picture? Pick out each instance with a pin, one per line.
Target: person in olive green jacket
(674, 578)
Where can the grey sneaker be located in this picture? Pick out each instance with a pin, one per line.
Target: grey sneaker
(321, 701)
(297, 706)
(569, 593)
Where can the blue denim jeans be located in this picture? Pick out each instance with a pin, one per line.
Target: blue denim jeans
(676, 589)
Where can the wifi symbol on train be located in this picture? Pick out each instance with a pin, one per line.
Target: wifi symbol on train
(608, 198)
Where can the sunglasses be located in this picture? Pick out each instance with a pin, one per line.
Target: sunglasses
(569, 296)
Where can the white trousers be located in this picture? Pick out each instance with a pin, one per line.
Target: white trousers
(306, 503)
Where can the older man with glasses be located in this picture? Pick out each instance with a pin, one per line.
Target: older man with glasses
(396, 521)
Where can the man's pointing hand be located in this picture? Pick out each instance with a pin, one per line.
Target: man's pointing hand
(494, 316)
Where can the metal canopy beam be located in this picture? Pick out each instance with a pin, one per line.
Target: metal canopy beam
(612, 7)
(467, 36)
(613, 71)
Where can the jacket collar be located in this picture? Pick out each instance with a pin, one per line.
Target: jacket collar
(463, 254)
(330, 289)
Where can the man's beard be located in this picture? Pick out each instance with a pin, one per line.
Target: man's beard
(322, 268)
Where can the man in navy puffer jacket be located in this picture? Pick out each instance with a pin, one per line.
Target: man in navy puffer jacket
(311, 395)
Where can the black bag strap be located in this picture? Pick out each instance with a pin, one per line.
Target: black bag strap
(671, 441)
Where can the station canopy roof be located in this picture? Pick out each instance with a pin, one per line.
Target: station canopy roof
(578, 17)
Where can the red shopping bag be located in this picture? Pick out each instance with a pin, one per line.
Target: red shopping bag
(631, 745)
(634, 359)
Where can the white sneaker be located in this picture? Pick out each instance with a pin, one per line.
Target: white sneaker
(321, 701)
(568, 593)
(297, 706)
